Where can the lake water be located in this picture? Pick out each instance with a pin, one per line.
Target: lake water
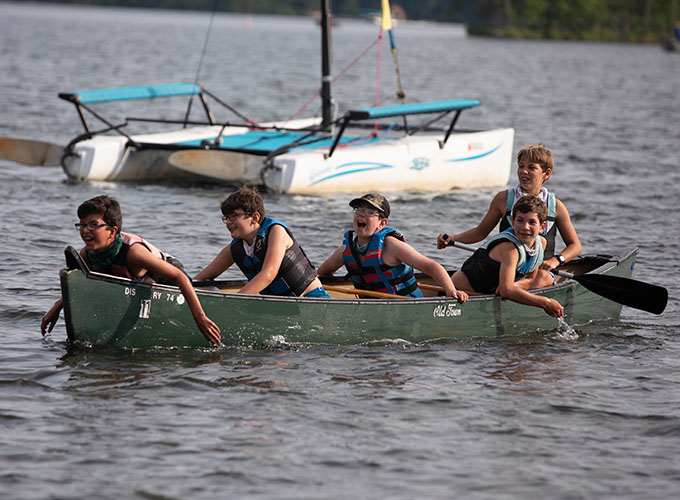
(545, 415)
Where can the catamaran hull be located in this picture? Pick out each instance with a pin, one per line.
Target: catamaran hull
(115, 158)
(467, 160)
(116, 162)
(106, 311)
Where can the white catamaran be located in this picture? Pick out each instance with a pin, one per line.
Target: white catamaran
(366, 149)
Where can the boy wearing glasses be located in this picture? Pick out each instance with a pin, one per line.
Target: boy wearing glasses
(264, 249)
(378, 258)
(109, 250)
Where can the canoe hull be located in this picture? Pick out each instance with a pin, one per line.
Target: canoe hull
(105, 311)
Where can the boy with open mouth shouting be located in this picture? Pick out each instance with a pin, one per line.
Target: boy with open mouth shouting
(378, 258)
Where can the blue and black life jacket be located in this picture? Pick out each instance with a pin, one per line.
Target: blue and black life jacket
(550, 228)
(295, 273)
(373, 274)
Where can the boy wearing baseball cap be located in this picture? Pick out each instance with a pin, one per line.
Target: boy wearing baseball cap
(377, 256)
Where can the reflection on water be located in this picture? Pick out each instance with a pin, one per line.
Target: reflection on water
(526, 369)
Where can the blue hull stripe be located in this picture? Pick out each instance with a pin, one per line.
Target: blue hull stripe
(374, 166)
(379, 166)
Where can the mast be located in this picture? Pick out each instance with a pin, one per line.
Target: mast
(325, 64)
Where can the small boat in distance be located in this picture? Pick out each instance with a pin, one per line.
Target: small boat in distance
(372, 148)
(104, 310)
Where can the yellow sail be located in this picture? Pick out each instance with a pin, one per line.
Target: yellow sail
(386, 15)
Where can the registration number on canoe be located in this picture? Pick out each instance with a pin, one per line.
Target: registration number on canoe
(167, 296)
(445, 311)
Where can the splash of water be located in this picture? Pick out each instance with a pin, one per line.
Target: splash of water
(565, 331)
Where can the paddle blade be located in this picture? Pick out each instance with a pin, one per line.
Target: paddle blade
(226, 166)
(626, 291)
(30, 152)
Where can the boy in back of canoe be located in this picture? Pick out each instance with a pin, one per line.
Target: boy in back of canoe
(378, 258)
(264, 249)
(535, 165)
(108, 250)
(509, 263)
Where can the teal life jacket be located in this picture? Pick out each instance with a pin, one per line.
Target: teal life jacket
(525, 263)
(550, 230)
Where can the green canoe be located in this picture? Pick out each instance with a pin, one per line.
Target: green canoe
(102, 310)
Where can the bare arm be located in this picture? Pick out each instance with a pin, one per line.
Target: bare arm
(495, 213)
(332, 263)
(277, 243)
(568, 234)
(51, 317)
(140, 257)
(396, 251)
(507, 254)
(49, 320)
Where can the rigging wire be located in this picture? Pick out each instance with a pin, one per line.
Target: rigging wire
(377, 83)
(200, 60)
(344, 70)
(386, 25)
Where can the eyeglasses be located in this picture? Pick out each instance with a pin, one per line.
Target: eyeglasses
(233, 216)
(369, 212)
(92, 226)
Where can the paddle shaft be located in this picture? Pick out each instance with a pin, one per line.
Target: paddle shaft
(470, 248)
(626, 291)
(440, 289)
(358, 291)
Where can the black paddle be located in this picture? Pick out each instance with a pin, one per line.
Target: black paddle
(626, 291)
